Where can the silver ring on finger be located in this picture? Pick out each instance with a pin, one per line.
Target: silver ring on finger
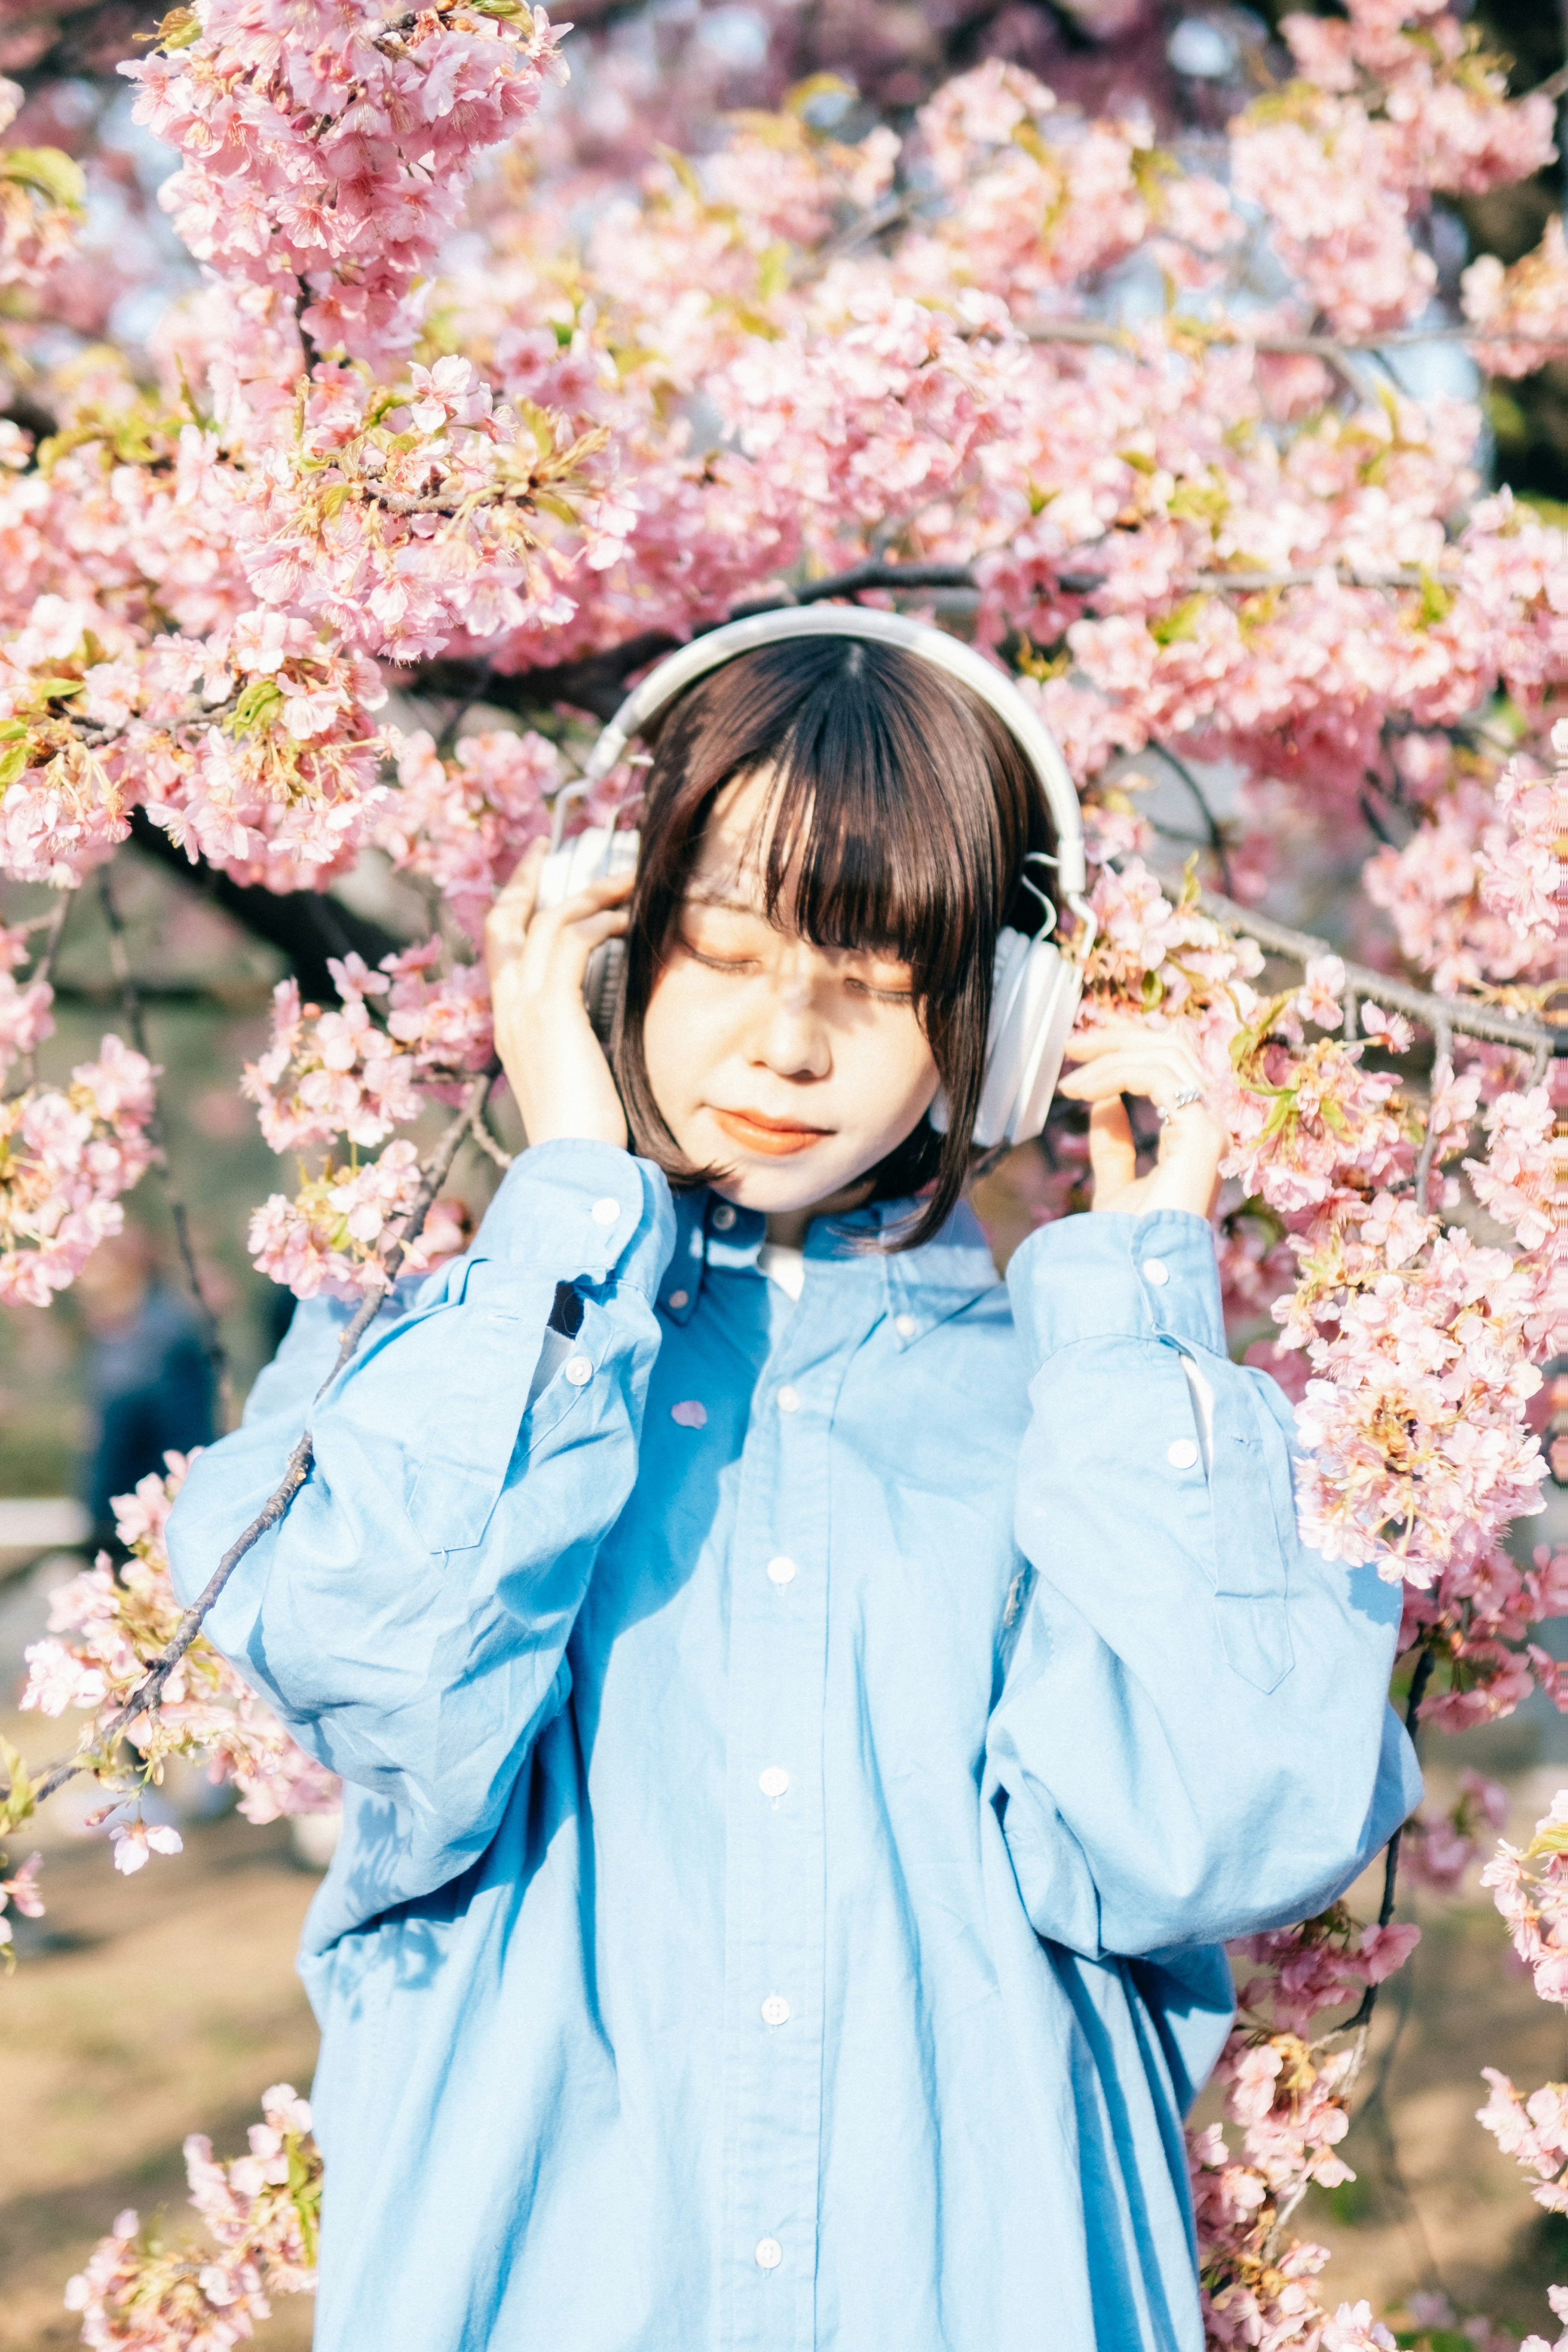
(1178, 1102)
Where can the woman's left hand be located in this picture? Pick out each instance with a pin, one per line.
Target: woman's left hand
(1127, 1057)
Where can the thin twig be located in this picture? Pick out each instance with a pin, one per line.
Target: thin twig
(52, 925)
(481, 1135)
(1216, 838)
(145, 1698)
(1455, 1012)
(1330, 349)
(1361, 2021)
(1360, 2025)
(1442, 1069)
(212, 1332)
(858, 578)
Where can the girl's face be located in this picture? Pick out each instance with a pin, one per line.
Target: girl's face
(794, 1069)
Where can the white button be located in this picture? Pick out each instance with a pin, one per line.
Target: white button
(775, 2010)
(724, 1218)
(605, 1212)
(789, 1401)
(905, 1325)
(770, 2253)
(680, 1298)
(1183, 1455)
(1156, 1271)
(774, 1781)
(579, 1370)
(782, 1570)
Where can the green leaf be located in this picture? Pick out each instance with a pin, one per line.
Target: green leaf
(12, 763)
(178, 30)
(1174, 627)
(17, 1804)
(1437, 603)
(773, 272)
(256, 708)
(58, 178)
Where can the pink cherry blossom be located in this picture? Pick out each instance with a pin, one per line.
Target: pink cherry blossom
(135, 1841)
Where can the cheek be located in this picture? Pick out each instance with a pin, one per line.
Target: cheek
(679, 1038)
(888, 1066)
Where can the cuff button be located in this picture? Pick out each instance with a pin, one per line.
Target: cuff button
(1156, 1271)
(605, 1212)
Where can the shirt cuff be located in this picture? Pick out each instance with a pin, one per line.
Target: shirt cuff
(586, 1210)
(1113, 1276)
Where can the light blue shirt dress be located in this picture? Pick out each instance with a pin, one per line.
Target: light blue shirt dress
(801, 1760)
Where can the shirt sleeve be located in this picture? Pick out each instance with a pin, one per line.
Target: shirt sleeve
(408, 1616)
(1192, 1738)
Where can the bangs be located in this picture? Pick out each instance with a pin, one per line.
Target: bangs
(862, 845)
(900, 815)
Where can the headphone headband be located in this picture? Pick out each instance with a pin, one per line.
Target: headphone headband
(711, 652)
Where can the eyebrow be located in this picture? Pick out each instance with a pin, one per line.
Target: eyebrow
(733, 906)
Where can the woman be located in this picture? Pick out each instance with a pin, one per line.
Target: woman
(809, 1712)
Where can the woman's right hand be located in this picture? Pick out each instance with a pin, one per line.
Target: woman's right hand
(553, 1063)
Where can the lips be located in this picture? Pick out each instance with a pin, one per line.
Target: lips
(777, 1139)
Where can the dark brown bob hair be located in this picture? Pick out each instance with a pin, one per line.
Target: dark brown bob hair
(902, 813)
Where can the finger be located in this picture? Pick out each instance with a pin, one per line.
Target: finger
(591, 930)
(506, 924)
(1127, 1037)
(522, 883)
(1157, 1079)
(1179, 1062)
(610, 892)
(1112, 1159)
(556, 951)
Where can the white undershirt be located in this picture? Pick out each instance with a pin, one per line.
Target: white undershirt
(785, 1265)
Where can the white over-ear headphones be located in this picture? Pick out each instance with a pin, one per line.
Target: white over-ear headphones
(1037, 987)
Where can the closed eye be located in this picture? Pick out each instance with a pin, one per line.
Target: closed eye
(721, 963)
(883, 995)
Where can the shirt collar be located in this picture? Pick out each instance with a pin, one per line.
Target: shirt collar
(922, 1287)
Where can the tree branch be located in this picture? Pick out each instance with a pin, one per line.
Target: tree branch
(305, 926)
(1333, 350)
(597, 682)
(1438, 1013)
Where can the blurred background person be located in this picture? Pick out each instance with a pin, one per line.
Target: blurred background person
(148, 1374)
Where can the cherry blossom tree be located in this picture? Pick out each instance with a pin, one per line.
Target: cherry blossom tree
(478, 397)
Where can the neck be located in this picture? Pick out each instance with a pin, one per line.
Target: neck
(787, 1228)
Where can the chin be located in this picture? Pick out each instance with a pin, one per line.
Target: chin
(772, 1187)
(775, 1184)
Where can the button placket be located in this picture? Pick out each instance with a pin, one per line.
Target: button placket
(776, 1912)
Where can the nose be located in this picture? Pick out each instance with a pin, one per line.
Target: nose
(790, 1037)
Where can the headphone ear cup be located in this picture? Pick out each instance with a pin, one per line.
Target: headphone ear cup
(1054, 996)
(604, 985)
(1034, 1003)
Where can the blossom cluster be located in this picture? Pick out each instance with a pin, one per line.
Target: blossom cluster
(398, 1038)
(1438, 1850)
(462, 823)
(1289, 2096)
(328, 146)
(263, 2214)
(66, 1156)
(1530, 1888)
(1473, 892)
(107, 1627)
(41, 203)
